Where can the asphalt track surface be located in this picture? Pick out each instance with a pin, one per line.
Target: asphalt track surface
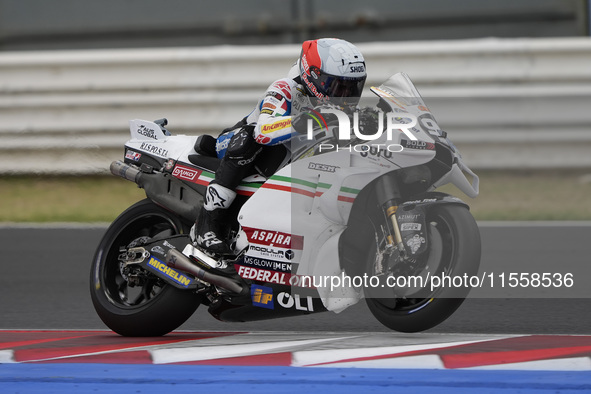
(51, 341)
(45, 271)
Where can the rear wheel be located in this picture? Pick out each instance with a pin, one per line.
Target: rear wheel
(454, 250)
(135, 302)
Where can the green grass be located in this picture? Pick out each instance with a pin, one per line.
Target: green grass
(531, 195)
(65, 199)
(550, 195)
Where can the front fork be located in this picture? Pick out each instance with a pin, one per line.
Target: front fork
(390, 209)
(389, 198)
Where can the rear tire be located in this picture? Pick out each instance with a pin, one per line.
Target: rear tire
(154, 309)
(455, 244)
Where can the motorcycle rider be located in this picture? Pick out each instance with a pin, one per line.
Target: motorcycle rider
(326, 68)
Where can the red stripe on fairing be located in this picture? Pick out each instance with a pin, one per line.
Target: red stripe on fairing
(196, 181)
(345, 199)
(276, 187)
(288, 189)
(303, 192)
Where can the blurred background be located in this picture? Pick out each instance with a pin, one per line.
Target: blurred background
(84, 24)
(510, 80)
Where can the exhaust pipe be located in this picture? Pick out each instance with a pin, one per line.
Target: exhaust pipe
(177, 260)
(125, 171)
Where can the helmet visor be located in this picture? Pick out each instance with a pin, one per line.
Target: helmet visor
(333, 86)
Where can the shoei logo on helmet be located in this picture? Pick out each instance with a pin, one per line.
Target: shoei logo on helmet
(357, 69)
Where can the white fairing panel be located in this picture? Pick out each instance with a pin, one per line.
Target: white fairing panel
(310, 201)
(147, 137)
(145, 130)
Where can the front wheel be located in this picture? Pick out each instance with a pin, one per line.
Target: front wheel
(144, 306)
(454, 251)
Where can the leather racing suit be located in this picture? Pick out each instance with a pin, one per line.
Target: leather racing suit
(270, 123)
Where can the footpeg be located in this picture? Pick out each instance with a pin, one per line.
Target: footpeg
(178, 260)
(203, 258)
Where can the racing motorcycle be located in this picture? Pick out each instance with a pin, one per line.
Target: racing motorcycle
(323, 223)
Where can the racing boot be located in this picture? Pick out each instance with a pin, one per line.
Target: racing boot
(210, 233)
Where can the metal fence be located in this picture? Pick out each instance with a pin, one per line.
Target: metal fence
(507, 103)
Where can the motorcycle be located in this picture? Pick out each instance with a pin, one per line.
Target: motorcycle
(323, 223)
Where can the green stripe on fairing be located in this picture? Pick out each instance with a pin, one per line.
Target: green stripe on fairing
(254, 185)
(312, 184)
(280, 178)
(350, 190)
(211, 175)
(293, 180)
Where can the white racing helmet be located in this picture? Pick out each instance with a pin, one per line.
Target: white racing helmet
(331, 67)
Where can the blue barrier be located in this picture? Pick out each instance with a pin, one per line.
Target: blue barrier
(117, 378)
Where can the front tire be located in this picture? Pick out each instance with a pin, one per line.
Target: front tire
(455, 246)
(153, 308)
